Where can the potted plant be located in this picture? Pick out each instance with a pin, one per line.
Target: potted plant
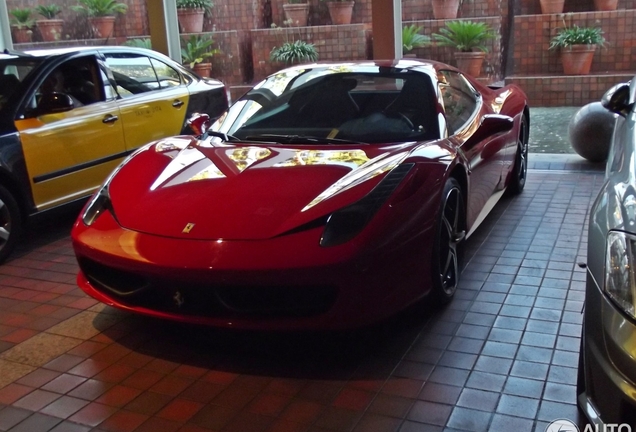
(139, 43)
(194, 52)
(190, 14)
(340, 11)
(21, 23)
(468, 39)
(577, 45)
(50, 28)
(445, 9)
(605, 5)
(411, 39)
(294, 52)
(552, 6)
(101, 14)
(296, 12)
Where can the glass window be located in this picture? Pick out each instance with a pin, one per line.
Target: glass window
(133, 74)
(168, 76)
(460, 100)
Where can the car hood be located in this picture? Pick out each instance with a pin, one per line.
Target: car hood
(180, 187)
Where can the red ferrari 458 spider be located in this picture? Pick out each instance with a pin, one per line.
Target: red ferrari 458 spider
(330, 195)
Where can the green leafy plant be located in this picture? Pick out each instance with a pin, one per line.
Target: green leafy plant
(296, 1)
(575, 35)
(21, 17)
(100, 8)
(196, 49)
(411, 38)
(48, 11)
(139, 43)
(297, 51)
(465, 36)
(195, 4)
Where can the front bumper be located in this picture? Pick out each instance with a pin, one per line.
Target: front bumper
(275, 284)
(609, 362)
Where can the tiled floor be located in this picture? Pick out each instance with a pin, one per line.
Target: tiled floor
(501, 357)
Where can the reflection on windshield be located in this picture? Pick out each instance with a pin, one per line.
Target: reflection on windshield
(336, 103)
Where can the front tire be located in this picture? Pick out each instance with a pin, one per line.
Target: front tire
(10, 223)
(520, 170)
(449, 233)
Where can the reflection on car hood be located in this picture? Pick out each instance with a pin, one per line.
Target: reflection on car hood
(223, 191)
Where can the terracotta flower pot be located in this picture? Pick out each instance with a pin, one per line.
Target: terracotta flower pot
(296, 13)
(470, 62)
(191, 20)
(22, 34)
(102, 26)
(552, 6)
(340, 11)
(445, 9)
(577, 59)
(605, 5)
(50, 29)
(202, 69)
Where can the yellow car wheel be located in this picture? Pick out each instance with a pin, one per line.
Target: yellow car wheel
(10, 223)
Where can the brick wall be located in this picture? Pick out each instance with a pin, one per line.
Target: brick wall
(532, 36)
(327, 39)
(554, 91)
(527, 7)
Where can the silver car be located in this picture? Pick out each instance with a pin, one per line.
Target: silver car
(607, 364)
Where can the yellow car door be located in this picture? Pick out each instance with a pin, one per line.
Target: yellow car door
(69, 153)
(153, 101)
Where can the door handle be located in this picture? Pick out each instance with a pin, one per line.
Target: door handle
(110, 118)
(177, 103)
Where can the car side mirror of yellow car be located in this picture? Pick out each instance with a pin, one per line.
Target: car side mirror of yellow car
(51, 103)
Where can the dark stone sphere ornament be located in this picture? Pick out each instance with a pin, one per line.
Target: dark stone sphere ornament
(590, 132)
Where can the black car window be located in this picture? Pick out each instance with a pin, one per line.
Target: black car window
(368, 107)
(133, 74)
(460, 100)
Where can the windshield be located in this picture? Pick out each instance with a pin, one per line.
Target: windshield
(13, 71)
(335, 105)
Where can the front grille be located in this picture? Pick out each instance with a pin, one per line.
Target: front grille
(210, 300)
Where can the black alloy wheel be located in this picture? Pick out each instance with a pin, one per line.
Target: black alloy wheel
(520, 171)
(450, 232)
(10, 223)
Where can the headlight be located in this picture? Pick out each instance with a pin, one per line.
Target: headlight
(346, 223)
(98, 205)
(620, 274)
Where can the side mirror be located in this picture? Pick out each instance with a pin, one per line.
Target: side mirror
(199, 123)
(51, 103)
(616, 99)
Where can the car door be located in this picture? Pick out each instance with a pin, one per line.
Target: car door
(153, 97)
(68, 154)
(463, 110)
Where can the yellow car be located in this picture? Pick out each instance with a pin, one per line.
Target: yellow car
(69, 116)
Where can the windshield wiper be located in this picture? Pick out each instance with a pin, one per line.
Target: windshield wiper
(299, 139)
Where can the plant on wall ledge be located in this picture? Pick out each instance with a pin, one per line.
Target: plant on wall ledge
(468, 38)
(195, 51)
(577, 45)
(101, 14)
(294, 52)
(340, 11)
(411, 38)
(21, 23)
(296, 12)
(50, 27)
(446, 9)
(190, 14)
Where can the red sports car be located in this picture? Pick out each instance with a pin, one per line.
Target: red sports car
(330, 195)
